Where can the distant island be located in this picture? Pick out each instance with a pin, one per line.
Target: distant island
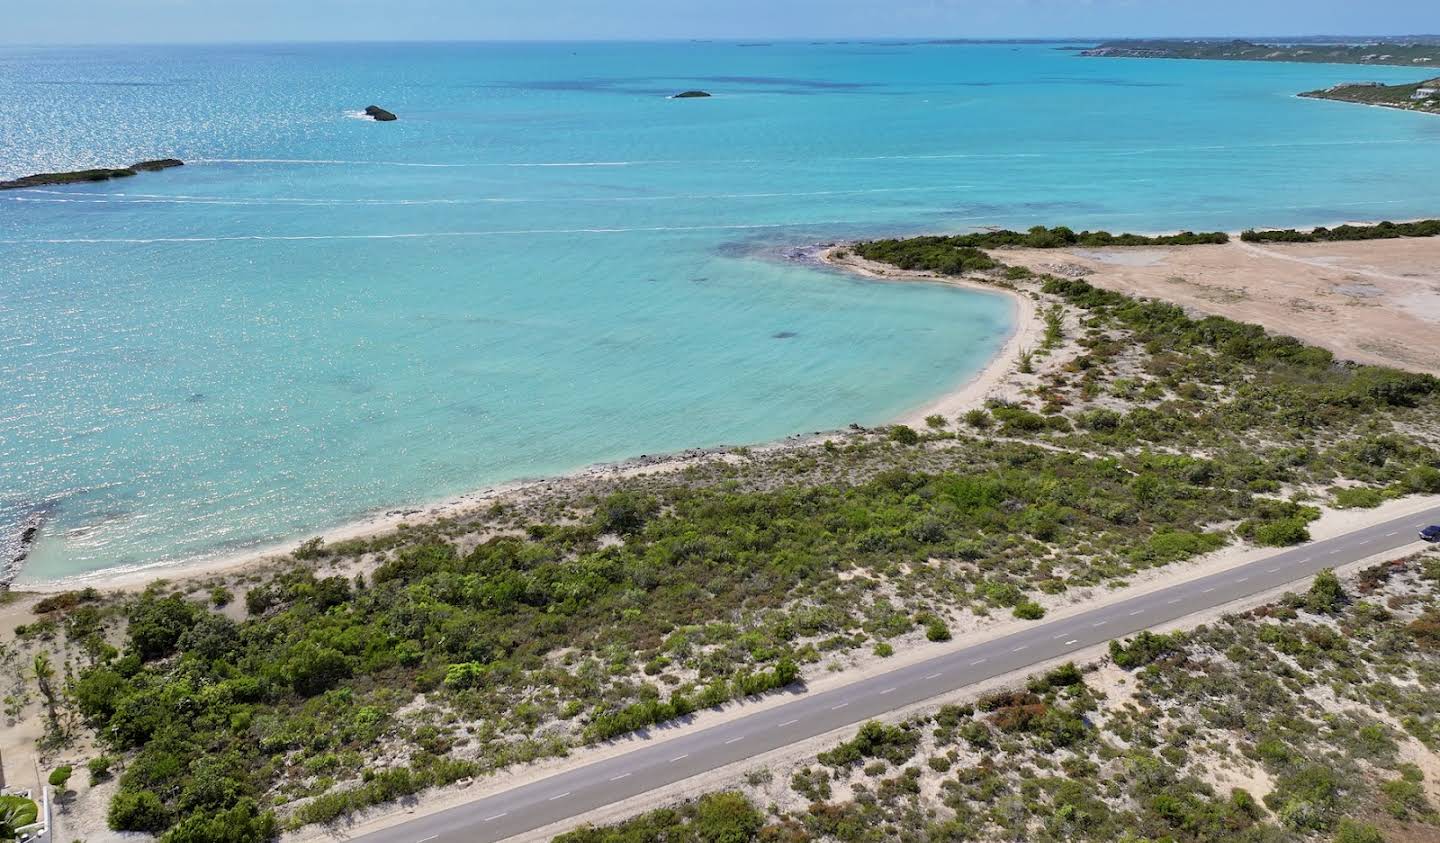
(690, 95)
(1422, 51)
(94, 174)
(1420, 96)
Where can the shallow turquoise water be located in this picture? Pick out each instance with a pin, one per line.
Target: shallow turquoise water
(546, 263)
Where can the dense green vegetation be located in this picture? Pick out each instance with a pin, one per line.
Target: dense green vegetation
(1315, 703)
(1412, 97)
(960, 253)
(365, 671)
(1410, 52)
(1379, 231)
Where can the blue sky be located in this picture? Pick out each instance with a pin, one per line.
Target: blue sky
(92, 21)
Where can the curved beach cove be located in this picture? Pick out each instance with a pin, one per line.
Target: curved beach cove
(546, 262)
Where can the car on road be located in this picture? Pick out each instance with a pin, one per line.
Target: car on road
(1431, 533)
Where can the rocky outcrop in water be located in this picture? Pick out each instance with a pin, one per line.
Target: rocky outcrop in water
(91, 175)
(380, 114)
(16, 548)
(157, 165)
(690, 95)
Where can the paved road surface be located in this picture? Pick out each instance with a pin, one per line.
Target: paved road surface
(649, 767)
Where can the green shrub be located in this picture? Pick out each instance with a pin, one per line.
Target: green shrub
(137, 810)
(1029, 610)
(99, 768)
(1359, 497)
(60, 776)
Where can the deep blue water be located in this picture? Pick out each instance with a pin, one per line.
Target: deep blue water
(547, 263)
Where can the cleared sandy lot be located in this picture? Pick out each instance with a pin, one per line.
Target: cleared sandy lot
(1375, 301)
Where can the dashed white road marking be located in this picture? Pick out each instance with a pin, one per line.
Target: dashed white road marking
(1391, 533)
(838, 707)
(933, 676)
(1072, 641)
(787, 723)
(1173, 602)
(1272, 570)
(887, 691)
(1099, 623)
(679, 758)
(619, 777)
(1208, 590)
(735, 740)
(978, 661)
(497, 816)
(1137, 612)
(424, 839)
(1242, 579)
(1021, 647)
(558, 796)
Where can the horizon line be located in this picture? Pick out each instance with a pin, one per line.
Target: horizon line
(742, 40)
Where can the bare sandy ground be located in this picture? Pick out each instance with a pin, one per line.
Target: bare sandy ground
(1372, 301)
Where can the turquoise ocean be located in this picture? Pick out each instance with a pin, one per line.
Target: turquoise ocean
(547, 263)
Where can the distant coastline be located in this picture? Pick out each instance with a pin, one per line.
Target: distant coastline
(1421, 97)
(1404, 51)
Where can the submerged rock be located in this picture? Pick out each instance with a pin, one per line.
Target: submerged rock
(690, 95)
(94, 174)
(379, 113)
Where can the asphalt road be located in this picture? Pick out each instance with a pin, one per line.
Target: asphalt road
(648, 767)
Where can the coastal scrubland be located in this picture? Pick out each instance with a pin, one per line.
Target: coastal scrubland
(1378, 231)
(355, 673)
(1310, 718)
(1412, 52)
(1417, 96)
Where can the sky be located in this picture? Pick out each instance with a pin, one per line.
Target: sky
(211, 21)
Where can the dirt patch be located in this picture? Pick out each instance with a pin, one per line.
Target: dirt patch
(1341, 296)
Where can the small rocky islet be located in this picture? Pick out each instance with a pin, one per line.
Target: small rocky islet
(91, 175)
(379, 114)
(690, 95)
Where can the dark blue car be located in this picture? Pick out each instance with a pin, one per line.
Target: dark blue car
(1431, 533)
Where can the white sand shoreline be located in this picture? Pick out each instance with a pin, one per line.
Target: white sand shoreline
(967, 394)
